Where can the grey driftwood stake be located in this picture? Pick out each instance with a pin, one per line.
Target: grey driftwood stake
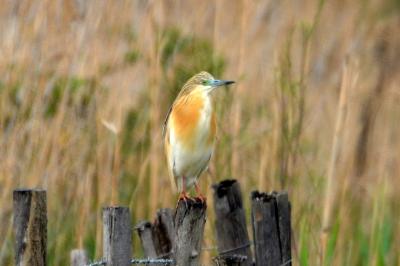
(190, 218)
(30, 227)
(230, 224)
(117, 236)
(144, 230)
(270, 215)
(78, 257)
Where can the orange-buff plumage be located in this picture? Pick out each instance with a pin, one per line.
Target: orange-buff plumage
(189, 130)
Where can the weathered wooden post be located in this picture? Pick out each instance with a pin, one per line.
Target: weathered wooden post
(285, 227)
(157, 238)
(230, 222)
(78, 257)
(117, 236)
(164, 232)
(145, 232)
(30, 227)
(270, 215)
(190, 218)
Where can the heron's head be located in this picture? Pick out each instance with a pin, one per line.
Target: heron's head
(204, 81)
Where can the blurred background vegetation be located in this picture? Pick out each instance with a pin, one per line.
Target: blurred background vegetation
(85, 86)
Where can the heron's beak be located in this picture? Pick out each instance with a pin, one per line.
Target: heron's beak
(217, 82)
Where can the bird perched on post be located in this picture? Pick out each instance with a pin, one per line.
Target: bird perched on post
(189, 132)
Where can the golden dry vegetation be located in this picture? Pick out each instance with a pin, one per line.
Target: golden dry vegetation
(85, 86)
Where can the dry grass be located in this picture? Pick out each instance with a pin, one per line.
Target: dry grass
(66, 66)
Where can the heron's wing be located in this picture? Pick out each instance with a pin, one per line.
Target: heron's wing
(166, 121)
(170, 161)
(168, 151)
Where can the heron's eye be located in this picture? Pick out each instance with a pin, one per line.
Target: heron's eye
(204, 82)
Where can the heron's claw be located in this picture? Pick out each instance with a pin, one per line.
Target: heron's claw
(200, 195)
(184, 197)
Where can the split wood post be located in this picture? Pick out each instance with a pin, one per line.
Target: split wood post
(78, 257)
(270, 213)
(30, 226)
(117, 236)
(190, 218)
(164, 232)
(144, 230)
(230, 222)
(157, 238)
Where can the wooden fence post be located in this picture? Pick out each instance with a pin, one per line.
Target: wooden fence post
(78, 257)
(117, 236)
(270, 215)
(30, 227)
(157, 238)
(285, 227)
(145, 232)
(190, 218)
(230, 222)
(164, 232)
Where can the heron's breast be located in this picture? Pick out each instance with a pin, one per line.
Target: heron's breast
(193, 121)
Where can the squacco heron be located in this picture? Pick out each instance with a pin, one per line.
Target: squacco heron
(189, 132)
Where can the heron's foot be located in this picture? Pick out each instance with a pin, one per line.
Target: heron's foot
(200, 195)
(184, 197)
(202, 198)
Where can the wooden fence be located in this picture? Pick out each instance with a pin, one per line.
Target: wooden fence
(174, 238)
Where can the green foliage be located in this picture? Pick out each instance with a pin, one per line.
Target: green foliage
(90, 241)
(182, 56)
(128, 144)
(14, 90)
(306, 30)
(390, 8)
(333, 235)
(304, 243)
(131, 144)
(78, 91)
(291, 94)
(173, 43)
(132, 56)
(128, 180)
(2, 86)
(54, 99)
(362, 239)
(129, 34)
(386, 233)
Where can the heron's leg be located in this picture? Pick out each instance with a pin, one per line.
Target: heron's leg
(199, 194)
(183, 196)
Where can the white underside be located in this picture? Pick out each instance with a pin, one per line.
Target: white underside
(189, 164)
